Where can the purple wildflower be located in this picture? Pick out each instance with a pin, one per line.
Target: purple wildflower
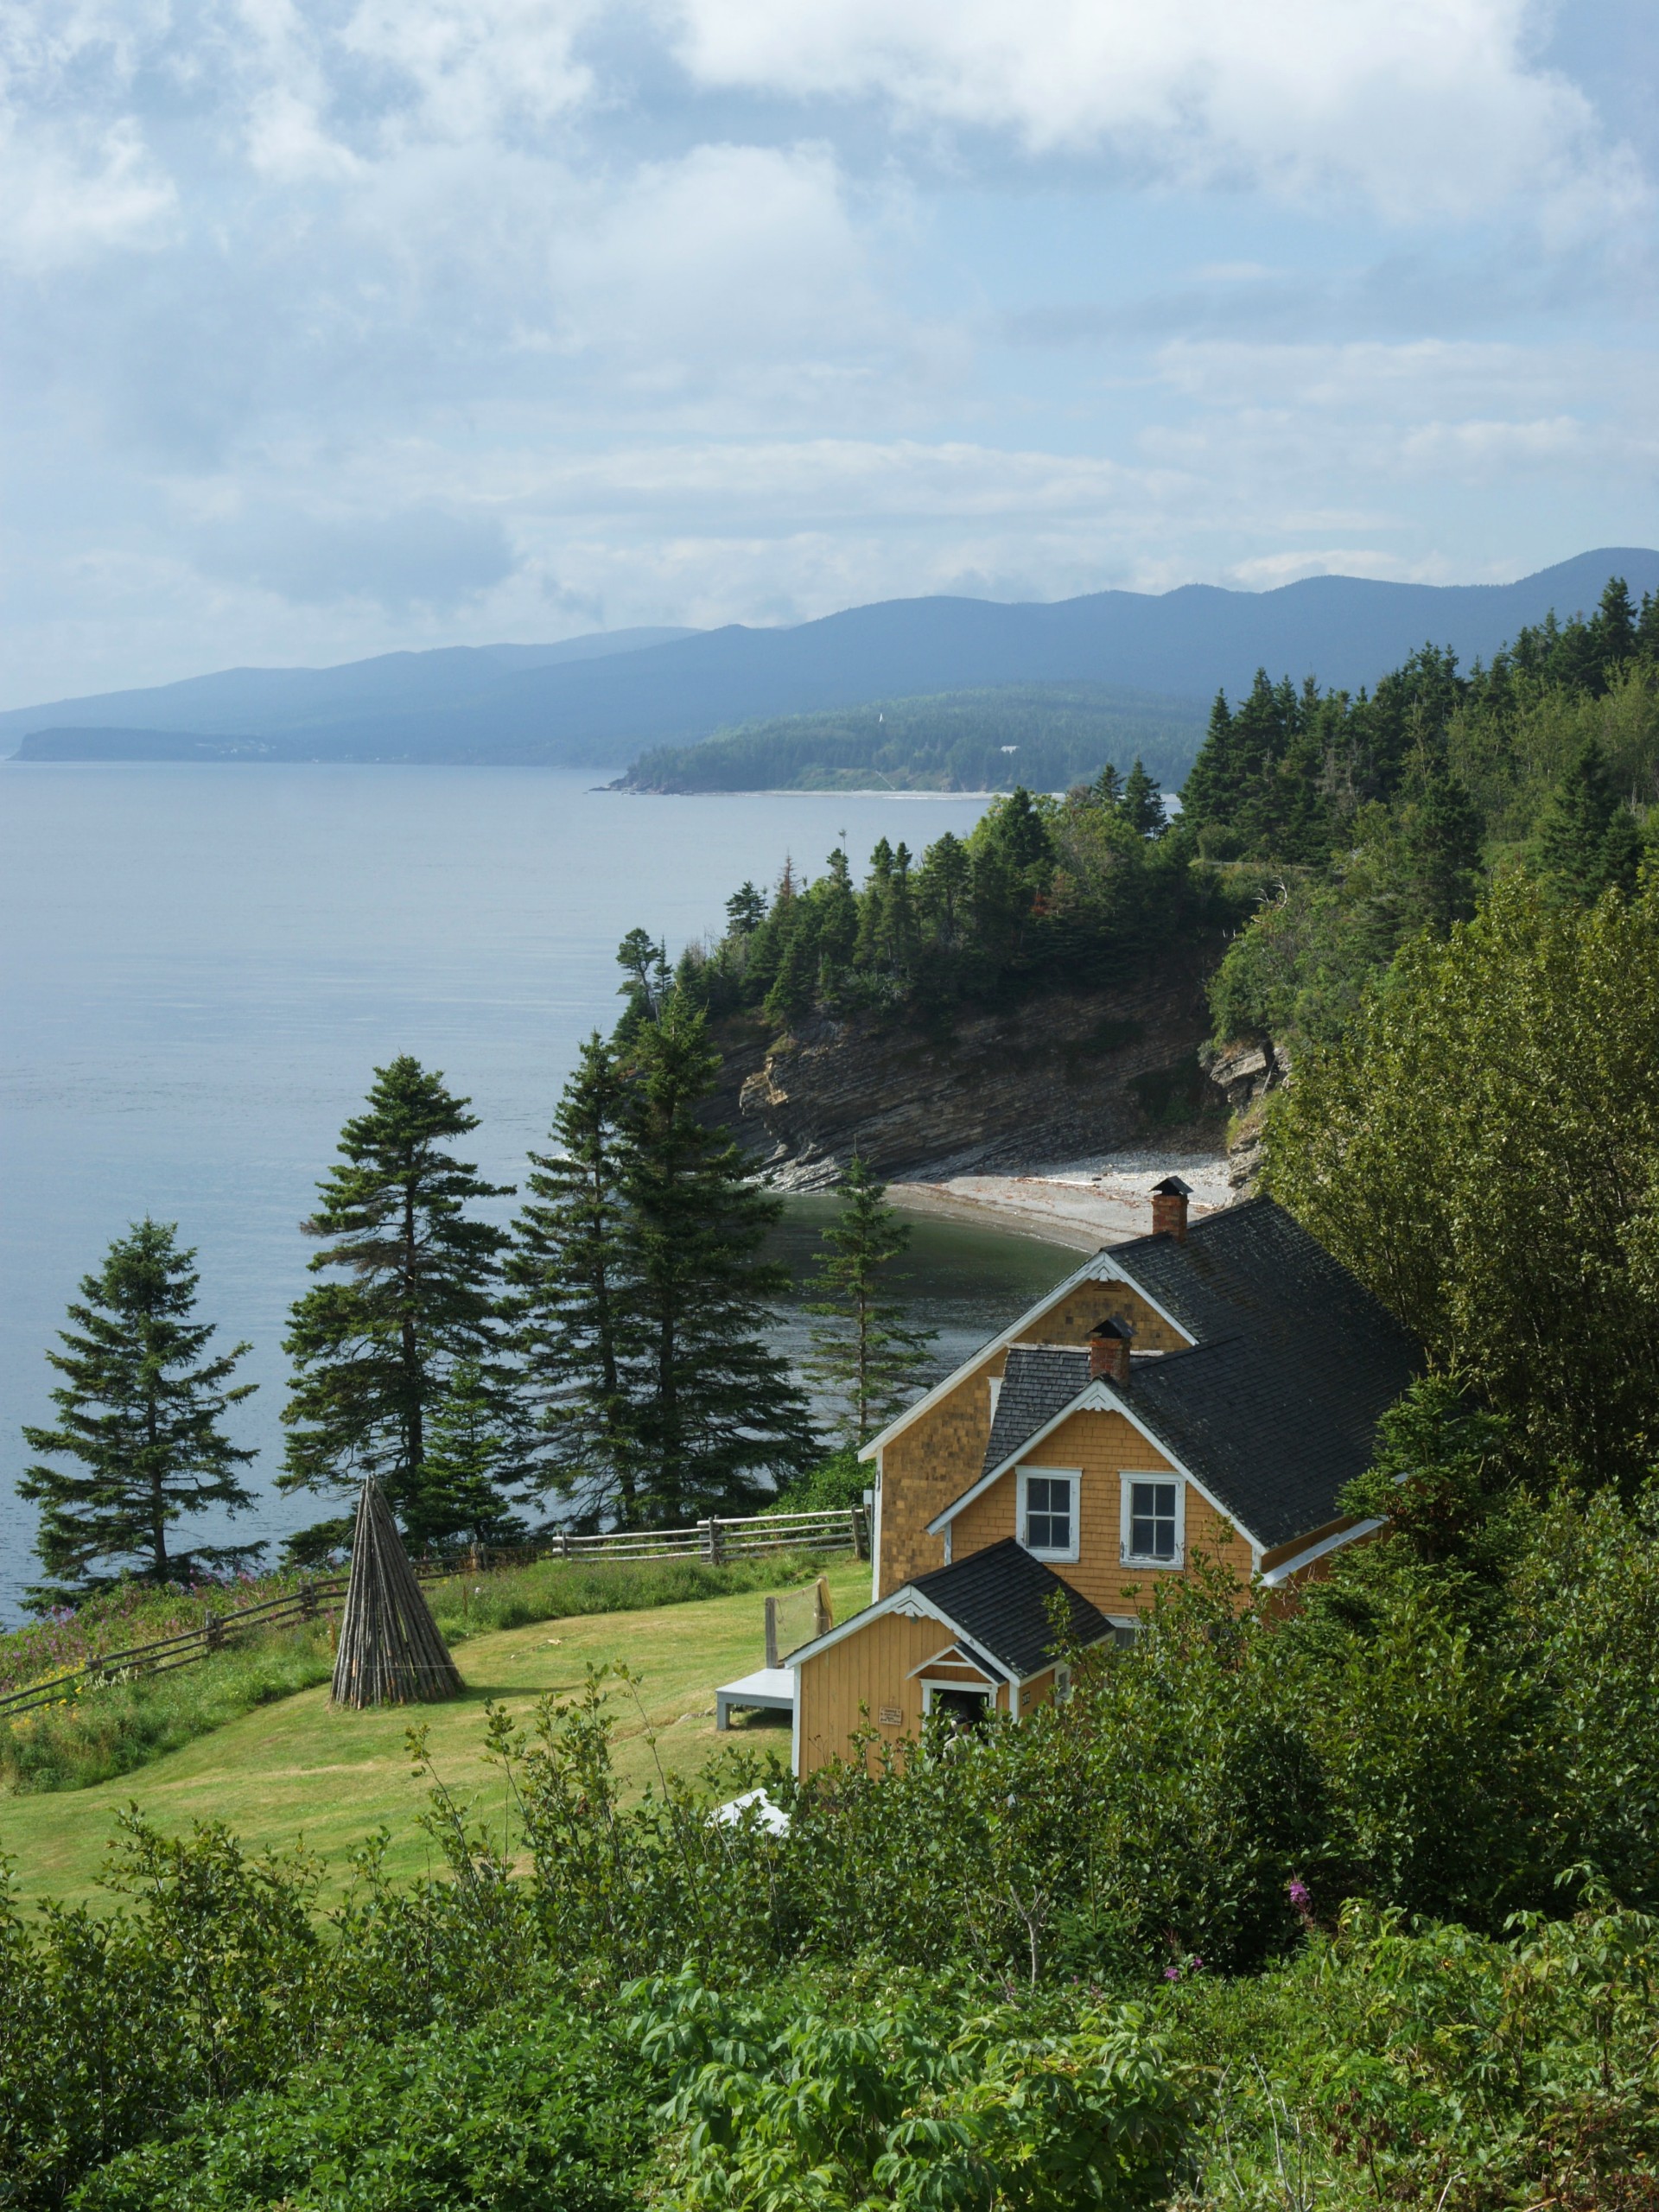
(1172, 1974)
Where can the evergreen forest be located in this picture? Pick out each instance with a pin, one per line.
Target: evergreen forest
(1047, 737)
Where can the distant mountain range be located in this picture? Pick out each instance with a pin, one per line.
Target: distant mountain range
(598, 702)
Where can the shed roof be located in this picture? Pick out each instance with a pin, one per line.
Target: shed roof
(1001, 1599)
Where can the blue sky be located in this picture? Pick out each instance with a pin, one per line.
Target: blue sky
(331, 327)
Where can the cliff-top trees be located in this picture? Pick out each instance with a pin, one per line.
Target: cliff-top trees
(139, 1409)
(372, 1353)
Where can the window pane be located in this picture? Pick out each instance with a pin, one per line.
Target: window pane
(1048, 1513)
(1152, 1520)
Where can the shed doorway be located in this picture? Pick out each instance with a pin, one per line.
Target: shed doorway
(964, 1708)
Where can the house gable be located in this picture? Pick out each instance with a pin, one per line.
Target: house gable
(1104, 1447)
(921, 1456)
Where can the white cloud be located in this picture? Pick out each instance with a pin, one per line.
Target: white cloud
(1425, 107)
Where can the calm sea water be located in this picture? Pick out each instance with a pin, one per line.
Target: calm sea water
(203, 965)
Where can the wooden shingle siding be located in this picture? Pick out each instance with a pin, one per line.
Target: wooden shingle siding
(1103, 1445)
(1069, 1320)
(937, 1457)
(873, 1670)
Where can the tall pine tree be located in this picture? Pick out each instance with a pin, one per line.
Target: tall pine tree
(868, 1357)
(139, 1410)
(569, 1296)
(715, 1416)
(372, 1353)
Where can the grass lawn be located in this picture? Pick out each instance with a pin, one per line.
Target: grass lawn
(295, 1769)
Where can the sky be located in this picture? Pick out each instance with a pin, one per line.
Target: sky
(329, 327)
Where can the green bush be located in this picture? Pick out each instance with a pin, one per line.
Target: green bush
(527, 2112)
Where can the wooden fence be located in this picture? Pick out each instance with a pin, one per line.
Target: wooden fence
(713, 1540)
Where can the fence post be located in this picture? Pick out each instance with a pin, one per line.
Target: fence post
(212, 1629)
(861, 1533)
(823, 1613)
(716, 1540)
(771, 1632)
(308, 1602)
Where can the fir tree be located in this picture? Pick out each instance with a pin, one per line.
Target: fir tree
(1587, 839)
(793, 986)
(869, 1358)
(744, 910)
(139, 1409)
(714, 1412)
(471, 1459)
(941, 888)
(1141, 803)
(569, 1294)
(372, 1354)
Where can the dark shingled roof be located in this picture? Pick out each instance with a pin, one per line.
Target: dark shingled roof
(1295, 1363)
(1038, 1381)
(1276, 1406)
(1001, 1597)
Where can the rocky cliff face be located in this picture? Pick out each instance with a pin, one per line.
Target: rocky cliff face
(1246, 1073)
(1058, 1077)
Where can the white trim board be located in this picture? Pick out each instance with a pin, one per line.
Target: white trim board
(1274, 1575)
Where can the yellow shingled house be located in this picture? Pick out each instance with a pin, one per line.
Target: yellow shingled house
(1208, 1388)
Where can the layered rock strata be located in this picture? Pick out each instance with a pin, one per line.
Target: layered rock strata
(1057, 1077)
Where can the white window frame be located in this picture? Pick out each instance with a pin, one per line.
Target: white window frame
(985, 1690)
(1074, 1476)
(1128, 1558)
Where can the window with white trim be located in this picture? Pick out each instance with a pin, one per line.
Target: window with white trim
(1154, 1534)
(1048, 1511)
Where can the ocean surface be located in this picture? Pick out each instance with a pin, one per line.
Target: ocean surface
(201, 966)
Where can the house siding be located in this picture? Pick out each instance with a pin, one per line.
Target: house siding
(851, 1685)
(1104, 1445)
(937, 1457)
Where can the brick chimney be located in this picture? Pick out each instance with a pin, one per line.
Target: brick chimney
(1169, 1200)
(1108, 1353)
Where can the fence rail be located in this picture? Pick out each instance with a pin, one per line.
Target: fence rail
(713, 1540)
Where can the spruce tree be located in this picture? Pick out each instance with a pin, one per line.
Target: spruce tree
(868, 1358)
(472, 1458)
(139, 1409)
(1143, 803)
(715, 1412)
(1587, 839)
(372, 1353)
(570, 1291)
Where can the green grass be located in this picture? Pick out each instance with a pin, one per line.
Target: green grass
(114, 1728)
(295, 1770)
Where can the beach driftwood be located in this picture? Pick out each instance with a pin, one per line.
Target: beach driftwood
(391, 1652)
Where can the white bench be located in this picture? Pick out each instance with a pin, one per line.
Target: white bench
(770, 1689)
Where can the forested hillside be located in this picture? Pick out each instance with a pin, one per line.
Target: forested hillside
(1356, 822)
(1047, 737)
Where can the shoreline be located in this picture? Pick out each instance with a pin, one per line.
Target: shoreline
(1082, 1205)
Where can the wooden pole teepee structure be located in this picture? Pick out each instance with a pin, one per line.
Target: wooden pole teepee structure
(391, 1652)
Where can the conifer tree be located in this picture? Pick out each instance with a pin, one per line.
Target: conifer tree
(372, 1353)
(570, 1291)
(868, 1358)
(1143, 803)
(139, 1409)
(472, 1458)
(1587, 839)
(715, 1412)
